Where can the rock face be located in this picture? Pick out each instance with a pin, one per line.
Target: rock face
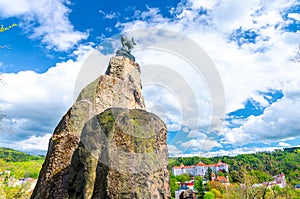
(119, 87)
(122, 154)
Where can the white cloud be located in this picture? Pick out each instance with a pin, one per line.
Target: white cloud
(46, 20)
(9, 8)
(173, 127)
(295, 16)
(111, 15)
(196, 134)
(237, 151)
(284, 144)
(207, 4)
(34, 143)
(173, 150)
(200, 145)
(278, 122)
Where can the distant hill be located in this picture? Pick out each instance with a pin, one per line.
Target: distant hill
(11, 155)
(20, 164)
(286, 161)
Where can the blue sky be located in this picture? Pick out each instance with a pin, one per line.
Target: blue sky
(249, 43)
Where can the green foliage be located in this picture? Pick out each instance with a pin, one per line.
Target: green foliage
(10, 155)
(216, 185)
(209, 195)
(208, 174)
(183, 178)
(173, 185)
(216, 192)
(20, 164)
(261, 176)
(28, 169)
(198, 186)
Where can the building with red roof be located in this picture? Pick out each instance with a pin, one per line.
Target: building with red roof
(199, 169)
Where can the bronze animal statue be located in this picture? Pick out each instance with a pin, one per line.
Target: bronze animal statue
(127, 44)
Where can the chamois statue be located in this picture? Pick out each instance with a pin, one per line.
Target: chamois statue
(127, 44)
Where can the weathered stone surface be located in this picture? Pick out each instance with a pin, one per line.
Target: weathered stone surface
(122, 154)
(119, 87)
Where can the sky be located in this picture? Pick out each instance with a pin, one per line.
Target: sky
(217, 72)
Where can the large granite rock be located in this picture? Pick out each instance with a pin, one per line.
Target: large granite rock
(119, 87)
(122, 154)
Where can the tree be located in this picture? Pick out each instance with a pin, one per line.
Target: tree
(183, 178)
(198, 186)
(216, 192)
(208, 174)
(216, 185)
(261, 176)
(209, 195)
(173, 185)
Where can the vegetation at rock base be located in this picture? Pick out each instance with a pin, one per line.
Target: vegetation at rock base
(15, 165)
(21, 165)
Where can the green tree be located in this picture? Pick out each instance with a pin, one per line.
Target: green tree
(198, 186)
(216, 185)
(209, 195)
(208, 174)
(183, 178)
(261, 176)
(173, 185)
(216, 192)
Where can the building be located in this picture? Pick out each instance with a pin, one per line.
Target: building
(179, 170)
(222, 179)
(199, 169)
(278, 180)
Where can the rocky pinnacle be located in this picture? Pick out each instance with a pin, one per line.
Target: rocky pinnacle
(120, 88)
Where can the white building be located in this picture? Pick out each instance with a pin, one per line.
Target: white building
(199, 169)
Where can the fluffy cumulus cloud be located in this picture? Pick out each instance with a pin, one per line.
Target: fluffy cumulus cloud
(34, 144)
(45, 20)
(34, 102)
(278, 122)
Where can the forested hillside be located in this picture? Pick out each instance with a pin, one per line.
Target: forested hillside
(286, 161)
(20, 164)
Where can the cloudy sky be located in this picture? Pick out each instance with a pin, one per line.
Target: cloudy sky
(217, 72)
